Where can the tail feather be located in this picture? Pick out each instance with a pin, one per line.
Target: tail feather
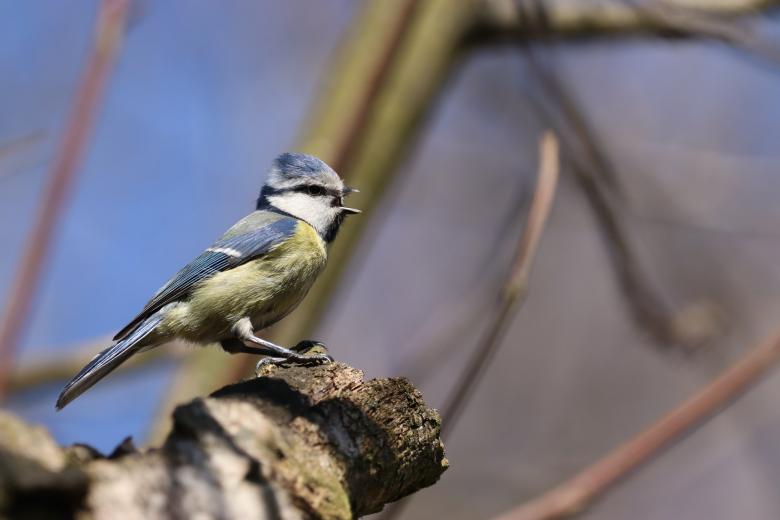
(105, 362)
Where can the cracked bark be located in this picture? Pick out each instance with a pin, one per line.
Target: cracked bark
(299, 442)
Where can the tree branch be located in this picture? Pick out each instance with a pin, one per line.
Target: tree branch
(578, 18)
(299, 442)
(108, 36)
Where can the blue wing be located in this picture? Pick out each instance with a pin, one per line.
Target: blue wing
(226, 253)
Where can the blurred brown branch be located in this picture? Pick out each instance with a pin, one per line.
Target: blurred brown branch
(511, 295)
(599, 182)
(449, 321)
(16, 145)
(109, 28)
(688, 326)
(566, 18)
(55, 368)
(516, 285)
(574, 495)
(703, 23)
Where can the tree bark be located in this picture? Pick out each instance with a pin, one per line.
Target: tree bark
(298, 442)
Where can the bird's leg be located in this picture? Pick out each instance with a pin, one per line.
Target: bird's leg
(251, 344)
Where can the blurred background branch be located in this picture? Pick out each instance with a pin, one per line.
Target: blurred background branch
(571, 18)
(598, 180)
(108, 37)
(510, 297)
(515, 287)
(575, 495)
(14, 146)
(41, 370)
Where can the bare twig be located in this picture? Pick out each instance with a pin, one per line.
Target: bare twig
(535, 19)
(344, 144)
(703, 23)
(598, 180)
(38, 371)
(516, 286)
(110, 24)
(451, 320)
(574, 495)
(16, 145)
(512, 294)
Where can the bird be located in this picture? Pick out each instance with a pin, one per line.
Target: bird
(254, 275)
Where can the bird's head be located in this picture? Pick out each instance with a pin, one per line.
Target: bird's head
(307, 188)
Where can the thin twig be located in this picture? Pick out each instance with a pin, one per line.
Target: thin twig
(53, 368)
(579, 492)
(512, 294)
(516, 286)
(16, 145)
(349, 140)
(527, 20)
(598, 180)
(699, 22)
(452, 319)
(109, 29)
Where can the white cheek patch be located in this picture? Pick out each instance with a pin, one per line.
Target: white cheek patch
(225, 250)
(317, 211)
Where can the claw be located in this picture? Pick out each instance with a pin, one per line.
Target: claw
(298, 359)
(310, 359)
(266, 362)
(307, 345)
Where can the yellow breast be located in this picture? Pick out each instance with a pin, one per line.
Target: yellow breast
(265, 289)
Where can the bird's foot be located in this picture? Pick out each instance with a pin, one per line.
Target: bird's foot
(305, 353)
(309, 346)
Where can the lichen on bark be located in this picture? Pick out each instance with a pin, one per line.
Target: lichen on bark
(297, 442)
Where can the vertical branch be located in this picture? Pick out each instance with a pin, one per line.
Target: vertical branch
(516, 286)
(110, 24)
(512, 294)
(573, 496)
(371, 62)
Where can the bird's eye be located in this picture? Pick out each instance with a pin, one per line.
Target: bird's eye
(315, 190)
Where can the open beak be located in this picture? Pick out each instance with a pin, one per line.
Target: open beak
(350, 211)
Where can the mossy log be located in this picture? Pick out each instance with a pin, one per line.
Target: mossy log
(298, 442)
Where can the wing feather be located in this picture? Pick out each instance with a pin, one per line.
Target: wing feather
(226, 253)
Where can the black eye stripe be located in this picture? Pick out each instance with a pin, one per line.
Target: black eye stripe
(314, 190)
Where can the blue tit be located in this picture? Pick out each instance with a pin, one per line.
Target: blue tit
(249, 279)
